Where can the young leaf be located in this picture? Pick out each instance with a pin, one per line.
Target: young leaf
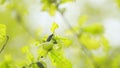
(52, 10)
(95, 28)
(105, 42)
(54, 27)
(2, 33)
(82, 20)
(90, 43)
(64, 41)
(42, 52)
(6, 62)
(47, 46)
(58, 60)
(26, 50)
(67, 42)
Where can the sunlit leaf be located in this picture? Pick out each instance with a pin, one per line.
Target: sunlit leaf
(47, 45)
(116, 61)
(42, 52)
(25, 49)
(82, 19)
(53, 5)
(65, 1)
(29, 56)
(118, 3)
(94, 28)
(90, 43)
(58, 60)
(52, 10)
(105, 42)
(100, 60)
(2, 1)
(57, 46)
(54, 27)
(67, 42)
(63, 40)
(8, 58)
(44, 7)
(7, 61)
(2, 33)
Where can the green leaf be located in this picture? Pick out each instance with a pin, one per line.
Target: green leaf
(2, 1)
(100, 60)
(2, 33)
(52, 5)
(65, 1)
(82, 20)
(7, 61)
(47, 45)
(54, 27)
(26, 50)
(67, 42)
(115, 62)
(52, 9)
(8, 57)
(95, 28)
(45, 7)
(44, 48)
(105, 42)
(59, 60)
(64, 41)
(42, 53)
(118, 3)
(90, 43)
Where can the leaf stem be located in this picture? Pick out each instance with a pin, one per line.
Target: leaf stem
(7, 37)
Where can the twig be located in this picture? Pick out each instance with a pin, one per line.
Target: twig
(39, 64)
(4, 44)
(20, 22)
(49, 38)
(85, 50)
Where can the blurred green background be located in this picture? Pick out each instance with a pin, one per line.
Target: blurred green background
(93, 26)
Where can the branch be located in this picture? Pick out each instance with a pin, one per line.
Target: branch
(84, 49)
(7, 37)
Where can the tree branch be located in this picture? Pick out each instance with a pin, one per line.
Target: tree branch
(7, 37)
(84, 49)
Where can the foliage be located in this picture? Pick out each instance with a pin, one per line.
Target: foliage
(53, 5)
(50, 50)
(2, 33)
(117, 2)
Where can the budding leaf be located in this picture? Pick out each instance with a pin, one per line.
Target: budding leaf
(54, 27)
